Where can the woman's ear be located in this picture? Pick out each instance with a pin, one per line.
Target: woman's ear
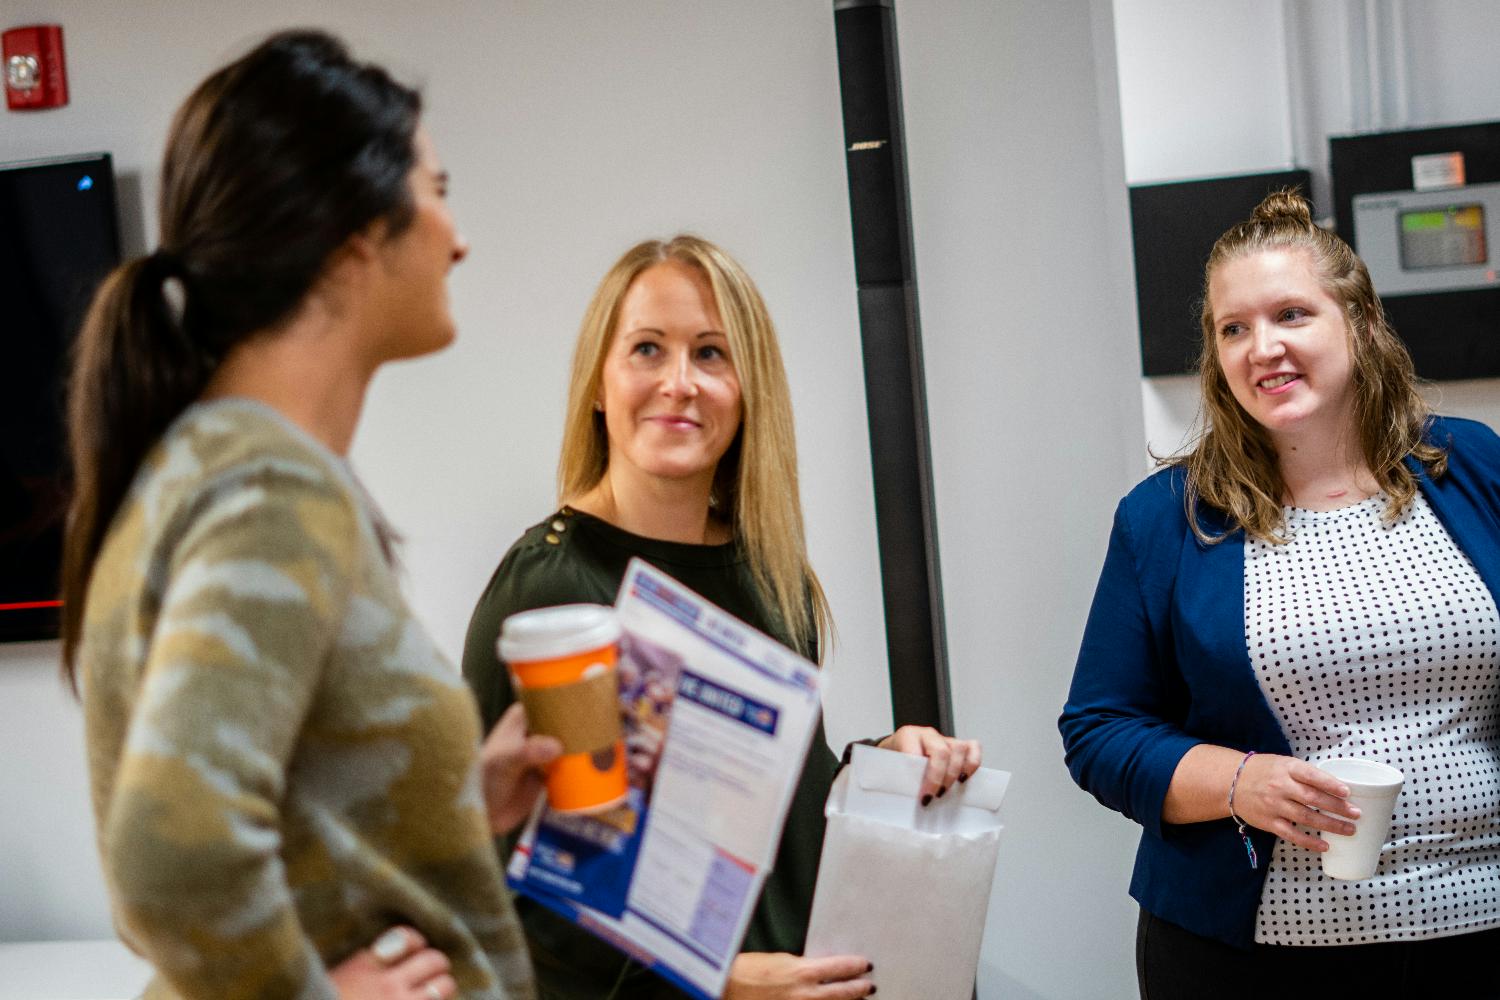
(365, 244)
(350, 269)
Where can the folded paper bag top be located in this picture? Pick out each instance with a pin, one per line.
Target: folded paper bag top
(938, 860)
(883, 786)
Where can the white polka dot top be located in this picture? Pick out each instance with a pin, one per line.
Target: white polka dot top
(1383, 642)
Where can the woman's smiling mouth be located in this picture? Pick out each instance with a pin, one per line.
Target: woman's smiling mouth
(676, 423)
(1276, 382)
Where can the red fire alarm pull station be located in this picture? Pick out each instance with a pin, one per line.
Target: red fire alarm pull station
(35, 76)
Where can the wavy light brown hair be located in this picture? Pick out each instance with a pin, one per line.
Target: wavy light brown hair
(755, 485)
(1233, 466)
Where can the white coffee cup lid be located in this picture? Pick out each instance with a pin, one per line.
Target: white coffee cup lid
(547, 633)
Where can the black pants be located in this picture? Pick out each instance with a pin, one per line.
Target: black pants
(1176, 964)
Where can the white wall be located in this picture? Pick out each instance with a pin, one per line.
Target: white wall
(1178, 61)
(1211, 87)
(1018, 199)
(50, 886)
(1451, 47)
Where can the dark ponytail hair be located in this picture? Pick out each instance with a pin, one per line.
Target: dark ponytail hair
(271, 165)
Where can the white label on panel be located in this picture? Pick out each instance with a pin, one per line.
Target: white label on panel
(1437, 170)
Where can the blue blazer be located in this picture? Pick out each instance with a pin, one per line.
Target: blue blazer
(1164, 666)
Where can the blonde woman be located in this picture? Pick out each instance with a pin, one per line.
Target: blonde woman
(1314, 579)
(679, 448)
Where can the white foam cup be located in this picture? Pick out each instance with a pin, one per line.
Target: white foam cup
(1373, 787)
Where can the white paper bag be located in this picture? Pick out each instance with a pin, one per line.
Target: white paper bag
(906, 885)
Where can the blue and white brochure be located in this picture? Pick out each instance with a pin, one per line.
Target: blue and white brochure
(718, 718)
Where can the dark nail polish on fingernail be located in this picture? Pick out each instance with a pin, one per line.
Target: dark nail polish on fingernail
(964, 776)
(871, 993)
(927, 800)
(942, 790)
(869, 967)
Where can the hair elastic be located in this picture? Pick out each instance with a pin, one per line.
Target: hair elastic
(1244, 835)
(164, 269)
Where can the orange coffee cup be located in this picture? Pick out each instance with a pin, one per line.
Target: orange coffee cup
(562, 662)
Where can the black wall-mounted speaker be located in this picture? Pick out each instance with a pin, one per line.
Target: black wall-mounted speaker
(874, 141)
(895, 392)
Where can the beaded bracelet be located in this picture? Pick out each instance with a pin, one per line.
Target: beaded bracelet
(1249, 847)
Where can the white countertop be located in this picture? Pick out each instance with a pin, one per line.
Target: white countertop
(71, 970)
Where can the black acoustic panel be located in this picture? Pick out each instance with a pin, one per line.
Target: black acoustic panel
(1174, 226)
(874, 141)
(1451, 335)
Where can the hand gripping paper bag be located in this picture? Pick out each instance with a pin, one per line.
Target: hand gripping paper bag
(907, 885)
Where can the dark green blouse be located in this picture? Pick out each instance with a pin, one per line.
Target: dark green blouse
(573, 557)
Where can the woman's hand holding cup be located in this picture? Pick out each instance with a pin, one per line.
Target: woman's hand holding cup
(512, 765)
(1281, 795)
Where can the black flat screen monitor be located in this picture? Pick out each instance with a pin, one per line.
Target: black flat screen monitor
(59, 237)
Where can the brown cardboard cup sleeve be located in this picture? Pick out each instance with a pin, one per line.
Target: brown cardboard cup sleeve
(585, 715)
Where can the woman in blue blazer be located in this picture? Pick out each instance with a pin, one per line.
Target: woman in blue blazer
(1315, 578)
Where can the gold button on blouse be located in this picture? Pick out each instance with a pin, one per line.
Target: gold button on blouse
(553, 539)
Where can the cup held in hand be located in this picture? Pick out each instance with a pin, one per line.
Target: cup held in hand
(562, 662)
(1373, 787)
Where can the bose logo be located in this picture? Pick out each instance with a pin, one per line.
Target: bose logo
(868, 144)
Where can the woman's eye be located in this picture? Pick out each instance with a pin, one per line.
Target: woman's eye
(1292, 314)
(1230, 329)
(710, 352)
(645, 349)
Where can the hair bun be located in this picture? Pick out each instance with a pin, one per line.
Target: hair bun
(1286, 205)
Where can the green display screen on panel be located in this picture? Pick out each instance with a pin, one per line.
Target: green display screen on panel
(1445, 237)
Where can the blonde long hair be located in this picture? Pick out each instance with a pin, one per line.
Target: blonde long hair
(755, 485)
(1232, 465)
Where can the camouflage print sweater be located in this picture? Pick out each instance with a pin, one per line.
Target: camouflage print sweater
(282, 763)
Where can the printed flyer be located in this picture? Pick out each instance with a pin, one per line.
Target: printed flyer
(718, 718)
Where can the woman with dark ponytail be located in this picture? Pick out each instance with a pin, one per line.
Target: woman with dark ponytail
(284, 769)
(1315, 578)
